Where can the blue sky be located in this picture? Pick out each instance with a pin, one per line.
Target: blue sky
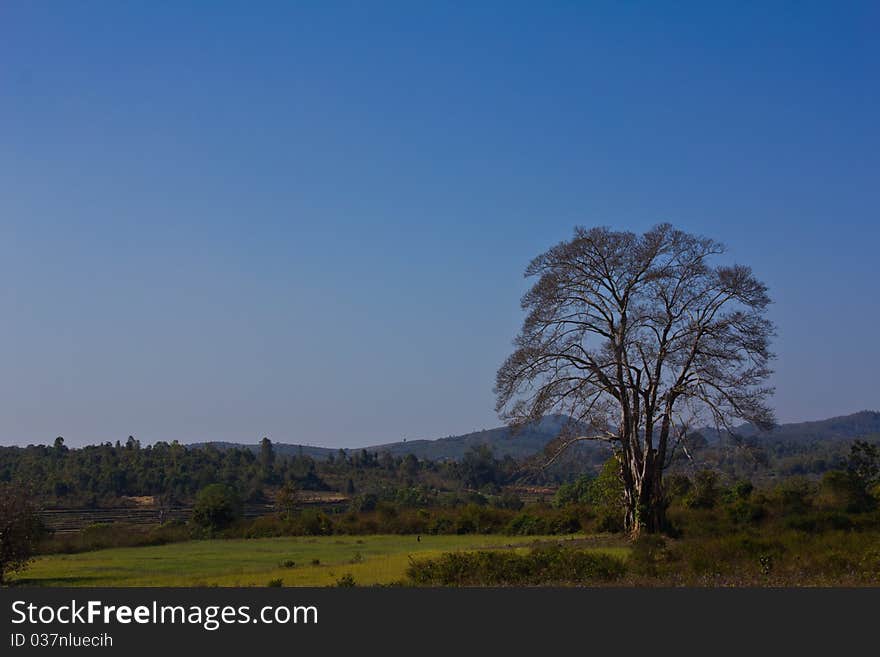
(310, 220)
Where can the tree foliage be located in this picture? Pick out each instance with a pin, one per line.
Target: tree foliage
(217, 506)
(20, 528)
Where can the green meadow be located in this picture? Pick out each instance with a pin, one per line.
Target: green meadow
(296, 561)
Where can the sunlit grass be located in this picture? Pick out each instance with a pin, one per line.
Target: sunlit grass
(381, 559)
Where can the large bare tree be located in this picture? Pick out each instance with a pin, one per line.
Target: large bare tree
(638, 339)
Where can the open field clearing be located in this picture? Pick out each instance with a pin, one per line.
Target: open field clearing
(296, 561)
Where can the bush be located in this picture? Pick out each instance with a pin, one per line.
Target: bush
(705, 492)
(346, 581)
(814, 523)
(746, 512)
(845, 492)
(508, 500)
(648, 555)
(315, 523)
(270, 527)
(742, 489)
(578, 491)
(606, 490)
(795, 496)
(678, 486)
(364, 503)
(525, 524)
(541, 566)
(20, 529)
(106, 535)
(609, 522)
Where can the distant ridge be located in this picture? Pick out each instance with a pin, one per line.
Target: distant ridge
(842, 427)
(534, 438)
(527, 442)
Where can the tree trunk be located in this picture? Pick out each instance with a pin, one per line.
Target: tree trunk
(645, 503)
(645, 512)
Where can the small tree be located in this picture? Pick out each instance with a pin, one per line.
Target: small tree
(217, 506)
(852, 488)
(478, 467)
(20, 529)
(267, 458)
(287, 499)
(410, 466)
(606, 495)
(864, 463)
(705, 492)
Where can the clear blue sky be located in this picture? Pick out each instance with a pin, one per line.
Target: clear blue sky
(310, 220)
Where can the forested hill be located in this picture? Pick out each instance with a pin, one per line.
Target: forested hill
(287, 449)
(533, 439)
(843, 427)
(503, 442)
(530, 440)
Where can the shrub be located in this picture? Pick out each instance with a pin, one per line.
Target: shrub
(315, 523)
(525, 524)
(364, 503)
(648, 555)
(844, 491)
(106, 535)
(20, 528)
(814, 523)
(609, 522)
(440, 525)
(606, 490)
(742, 489)
(346, 581)
(575, 492)
(269, 526)
(705, 492)
(678, 486)
(552, 565)
(508, 500)
(795, 496)
(746, 512)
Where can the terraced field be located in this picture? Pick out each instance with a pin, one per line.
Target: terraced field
(64, 520)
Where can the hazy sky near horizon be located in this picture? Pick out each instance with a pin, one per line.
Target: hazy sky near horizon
(310, 220)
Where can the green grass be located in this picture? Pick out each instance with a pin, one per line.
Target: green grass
(378, 559)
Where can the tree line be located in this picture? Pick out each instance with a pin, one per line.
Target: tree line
(105, 474)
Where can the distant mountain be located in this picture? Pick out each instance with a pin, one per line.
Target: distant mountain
(503, 442)
(534, 438)
(844, 427)
(526, 442)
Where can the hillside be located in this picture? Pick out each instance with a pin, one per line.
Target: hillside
(533, 439)
(843, 427)
(527, 442)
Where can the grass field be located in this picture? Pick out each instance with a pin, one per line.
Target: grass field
(369, 560)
